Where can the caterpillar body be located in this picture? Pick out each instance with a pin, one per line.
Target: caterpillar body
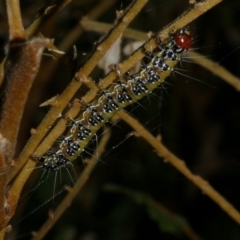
(129, 89)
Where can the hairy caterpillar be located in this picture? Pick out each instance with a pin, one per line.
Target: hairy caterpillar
(129, 89)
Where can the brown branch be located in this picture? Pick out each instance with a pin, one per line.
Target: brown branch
(15, 190)
(21, 68)
(75, 84)
(68, 42)
(33, 29)
(75, 190)
(180, 165)
(16, 30)
(2, 234)
(91, 25)
(19, 182)
(3, 188)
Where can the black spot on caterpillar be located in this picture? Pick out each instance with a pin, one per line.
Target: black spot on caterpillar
(128, 90)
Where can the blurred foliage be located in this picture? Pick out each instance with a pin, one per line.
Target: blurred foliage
(166, 221)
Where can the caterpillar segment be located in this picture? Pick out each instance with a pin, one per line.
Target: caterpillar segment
(128, 90)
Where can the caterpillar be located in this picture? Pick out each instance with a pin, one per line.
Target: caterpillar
(157, 66)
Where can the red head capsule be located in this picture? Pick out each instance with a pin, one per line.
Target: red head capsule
(183, 40)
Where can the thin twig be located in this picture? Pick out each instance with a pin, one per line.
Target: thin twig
(216, 69)
(16, 188)
(16, 30)
(75, 190)
(66, 43)
(180, 165)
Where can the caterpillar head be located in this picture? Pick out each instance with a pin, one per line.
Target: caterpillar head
(183, 40)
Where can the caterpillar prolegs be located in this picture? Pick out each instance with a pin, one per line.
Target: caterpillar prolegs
(128, 89)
